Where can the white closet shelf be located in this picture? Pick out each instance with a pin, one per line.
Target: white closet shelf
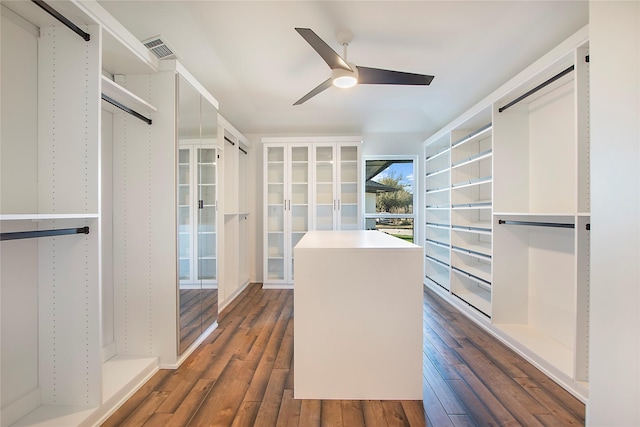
(56, 415)
(474, 272)
(476, 299)
(436, 172)
(553, 352)
(483, 132)
(118, 93)
(539, 215)
(44, 216)
(475, 228)
(122, 375)
(437, 154)
(474, 159)
(437, 190)
(437, 261)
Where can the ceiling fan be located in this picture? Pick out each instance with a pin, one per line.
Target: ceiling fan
(346, 74)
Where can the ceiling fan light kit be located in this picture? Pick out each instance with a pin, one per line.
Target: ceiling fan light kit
(343, 78)
(346, 74)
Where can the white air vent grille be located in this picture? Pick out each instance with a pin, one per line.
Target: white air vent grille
(158, 46)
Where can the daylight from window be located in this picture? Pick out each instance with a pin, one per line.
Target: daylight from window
(389, 192)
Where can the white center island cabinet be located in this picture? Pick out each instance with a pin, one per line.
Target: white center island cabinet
(357, 317)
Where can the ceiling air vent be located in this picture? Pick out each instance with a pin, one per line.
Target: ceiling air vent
(159, 47)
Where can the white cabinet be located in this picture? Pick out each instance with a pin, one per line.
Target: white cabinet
(309, 184)
(287, 204)
(507, 213)
(336, 173)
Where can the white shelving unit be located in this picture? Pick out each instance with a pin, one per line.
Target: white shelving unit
(438, 212)
(508, 241)
(55, 360)
(235, 150)
(458, 207)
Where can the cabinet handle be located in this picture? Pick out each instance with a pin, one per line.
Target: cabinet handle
(200, 204)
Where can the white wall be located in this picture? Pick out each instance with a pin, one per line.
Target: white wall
(614, 366)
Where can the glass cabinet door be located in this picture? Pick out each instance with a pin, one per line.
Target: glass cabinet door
(185, 214)
(206, 161)
(299, 197)
(348, 190)
(324, 196)
(275, 213)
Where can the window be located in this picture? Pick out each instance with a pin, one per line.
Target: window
(389, 195)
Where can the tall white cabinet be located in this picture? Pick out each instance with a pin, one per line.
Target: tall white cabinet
(507, 213)
(309, 184)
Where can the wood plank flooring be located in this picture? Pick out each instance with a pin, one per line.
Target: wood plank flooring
(242, 375)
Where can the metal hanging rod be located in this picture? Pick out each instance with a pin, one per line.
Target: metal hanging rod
(537, 88)
(42, 233)
(537, 224)
(73, 27)
(126, 109)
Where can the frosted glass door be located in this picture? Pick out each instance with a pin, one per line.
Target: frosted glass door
(185, 227)
(299, 197)
(324, 194)
(207, 214)
(348, 189)
(275, 213)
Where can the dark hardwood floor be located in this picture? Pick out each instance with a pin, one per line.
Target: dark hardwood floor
(242, 375)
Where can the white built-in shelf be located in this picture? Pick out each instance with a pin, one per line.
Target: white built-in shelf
(437, 190)
(477, 271)
(537, 216)
(57, 415)
(472, 159)
(483, 249)
(437, 243)
(434, 156)
(122, 372)
(478, 204)
(475, 228)
(125, 97)
(437, 172)
(472, 182)
(551, 351)
(481, 133)
(481, 299)
(44, 217)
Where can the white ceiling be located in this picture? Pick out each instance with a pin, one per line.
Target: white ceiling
(256, 65)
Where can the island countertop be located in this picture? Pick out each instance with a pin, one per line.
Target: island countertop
(352, 239)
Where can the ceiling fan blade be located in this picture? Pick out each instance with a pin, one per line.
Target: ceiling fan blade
(368, 75)
(329, 55)
(322, 86)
